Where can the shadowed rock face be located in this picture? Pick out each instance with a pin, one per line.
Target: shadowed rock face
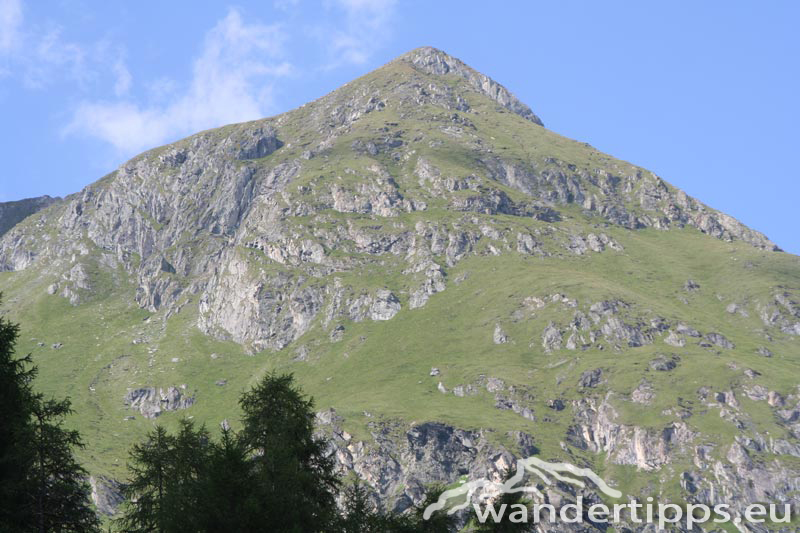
(12, 213)
(106, 495)
(558, 272)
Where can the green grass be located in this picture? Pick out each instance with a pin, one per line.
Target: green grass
(382, 368)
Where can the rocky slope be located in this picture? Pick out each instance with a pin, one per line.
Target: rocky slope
(12, 213)
(454, 283)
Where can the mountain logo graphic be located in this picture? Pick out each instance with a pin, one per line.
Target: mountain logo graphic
(549, 473)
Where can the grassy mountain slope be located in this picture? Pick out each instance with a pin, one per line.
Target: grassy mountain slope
(418, 217)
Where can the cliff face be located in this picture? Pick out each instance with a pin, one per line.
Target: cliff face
(421, 216)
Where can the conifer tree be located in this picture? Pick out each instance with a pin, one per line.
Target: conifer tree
(42, 486)
(59, 488)
(229, 503)
(360, 515)
(150, 466)
(293, 475)
(439, 521)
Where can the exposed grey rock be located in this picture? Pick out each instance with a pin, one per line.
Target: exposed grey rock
(385, 305)
(684, 329)
(618, 331)
(399, 469)
(259, 142)
(775, 399)
(717, 339)
(596, 430)
(151, 402)
(511, 403)
(727, 398)
(435, 371)
(691, 286)
(556, 404)
(526, 244)
(763, 351)
(301, 353)
(106, 494)
(254, 237)
(756, 392)
(603, 309)
(664, 363)
(433, 283)
(591, 378)
(551, 338)
(577, 245)
(643, 393)
(499, 336)
(673, 339)
(494, 385)
(433, 61)
(337, 333)
(782, 313)
(465, 390)
(735, 308)
(750, 373)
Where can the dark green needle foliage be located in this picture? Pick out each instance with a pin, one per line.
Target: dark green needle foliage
(273, 475)
(42, 486)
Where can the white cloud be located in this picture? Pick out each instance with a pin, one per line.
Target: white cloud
(367, 24)
(10, 24)
(37, 55)
(231, 82)
(123, 78)
(51, 56)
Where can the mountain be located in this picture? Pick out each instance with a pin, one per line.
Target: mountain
(12, 213)
(455, 284)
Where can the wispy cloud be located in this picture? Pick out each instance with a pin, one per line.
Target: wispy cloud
(123, 78)
(10, 23)
(50, 57)
(37, 55)
(231, 82)
(366, 25)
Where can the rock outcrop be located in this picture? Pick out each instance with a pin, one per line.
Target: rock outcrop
(421, 217)
(152, 402)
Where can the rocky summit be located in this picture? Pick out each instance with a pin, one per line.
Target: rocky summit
(456, 285)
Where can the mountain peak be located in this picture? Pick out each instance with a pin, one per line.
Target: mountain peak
(436, 62)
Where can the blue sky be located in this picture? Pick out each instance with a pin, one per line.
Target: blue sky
(703, 93)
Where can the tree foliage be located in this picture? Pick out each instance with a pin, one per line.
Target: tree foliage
(42, 486)
(275, 471)
(273, 475)
(293, 475)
